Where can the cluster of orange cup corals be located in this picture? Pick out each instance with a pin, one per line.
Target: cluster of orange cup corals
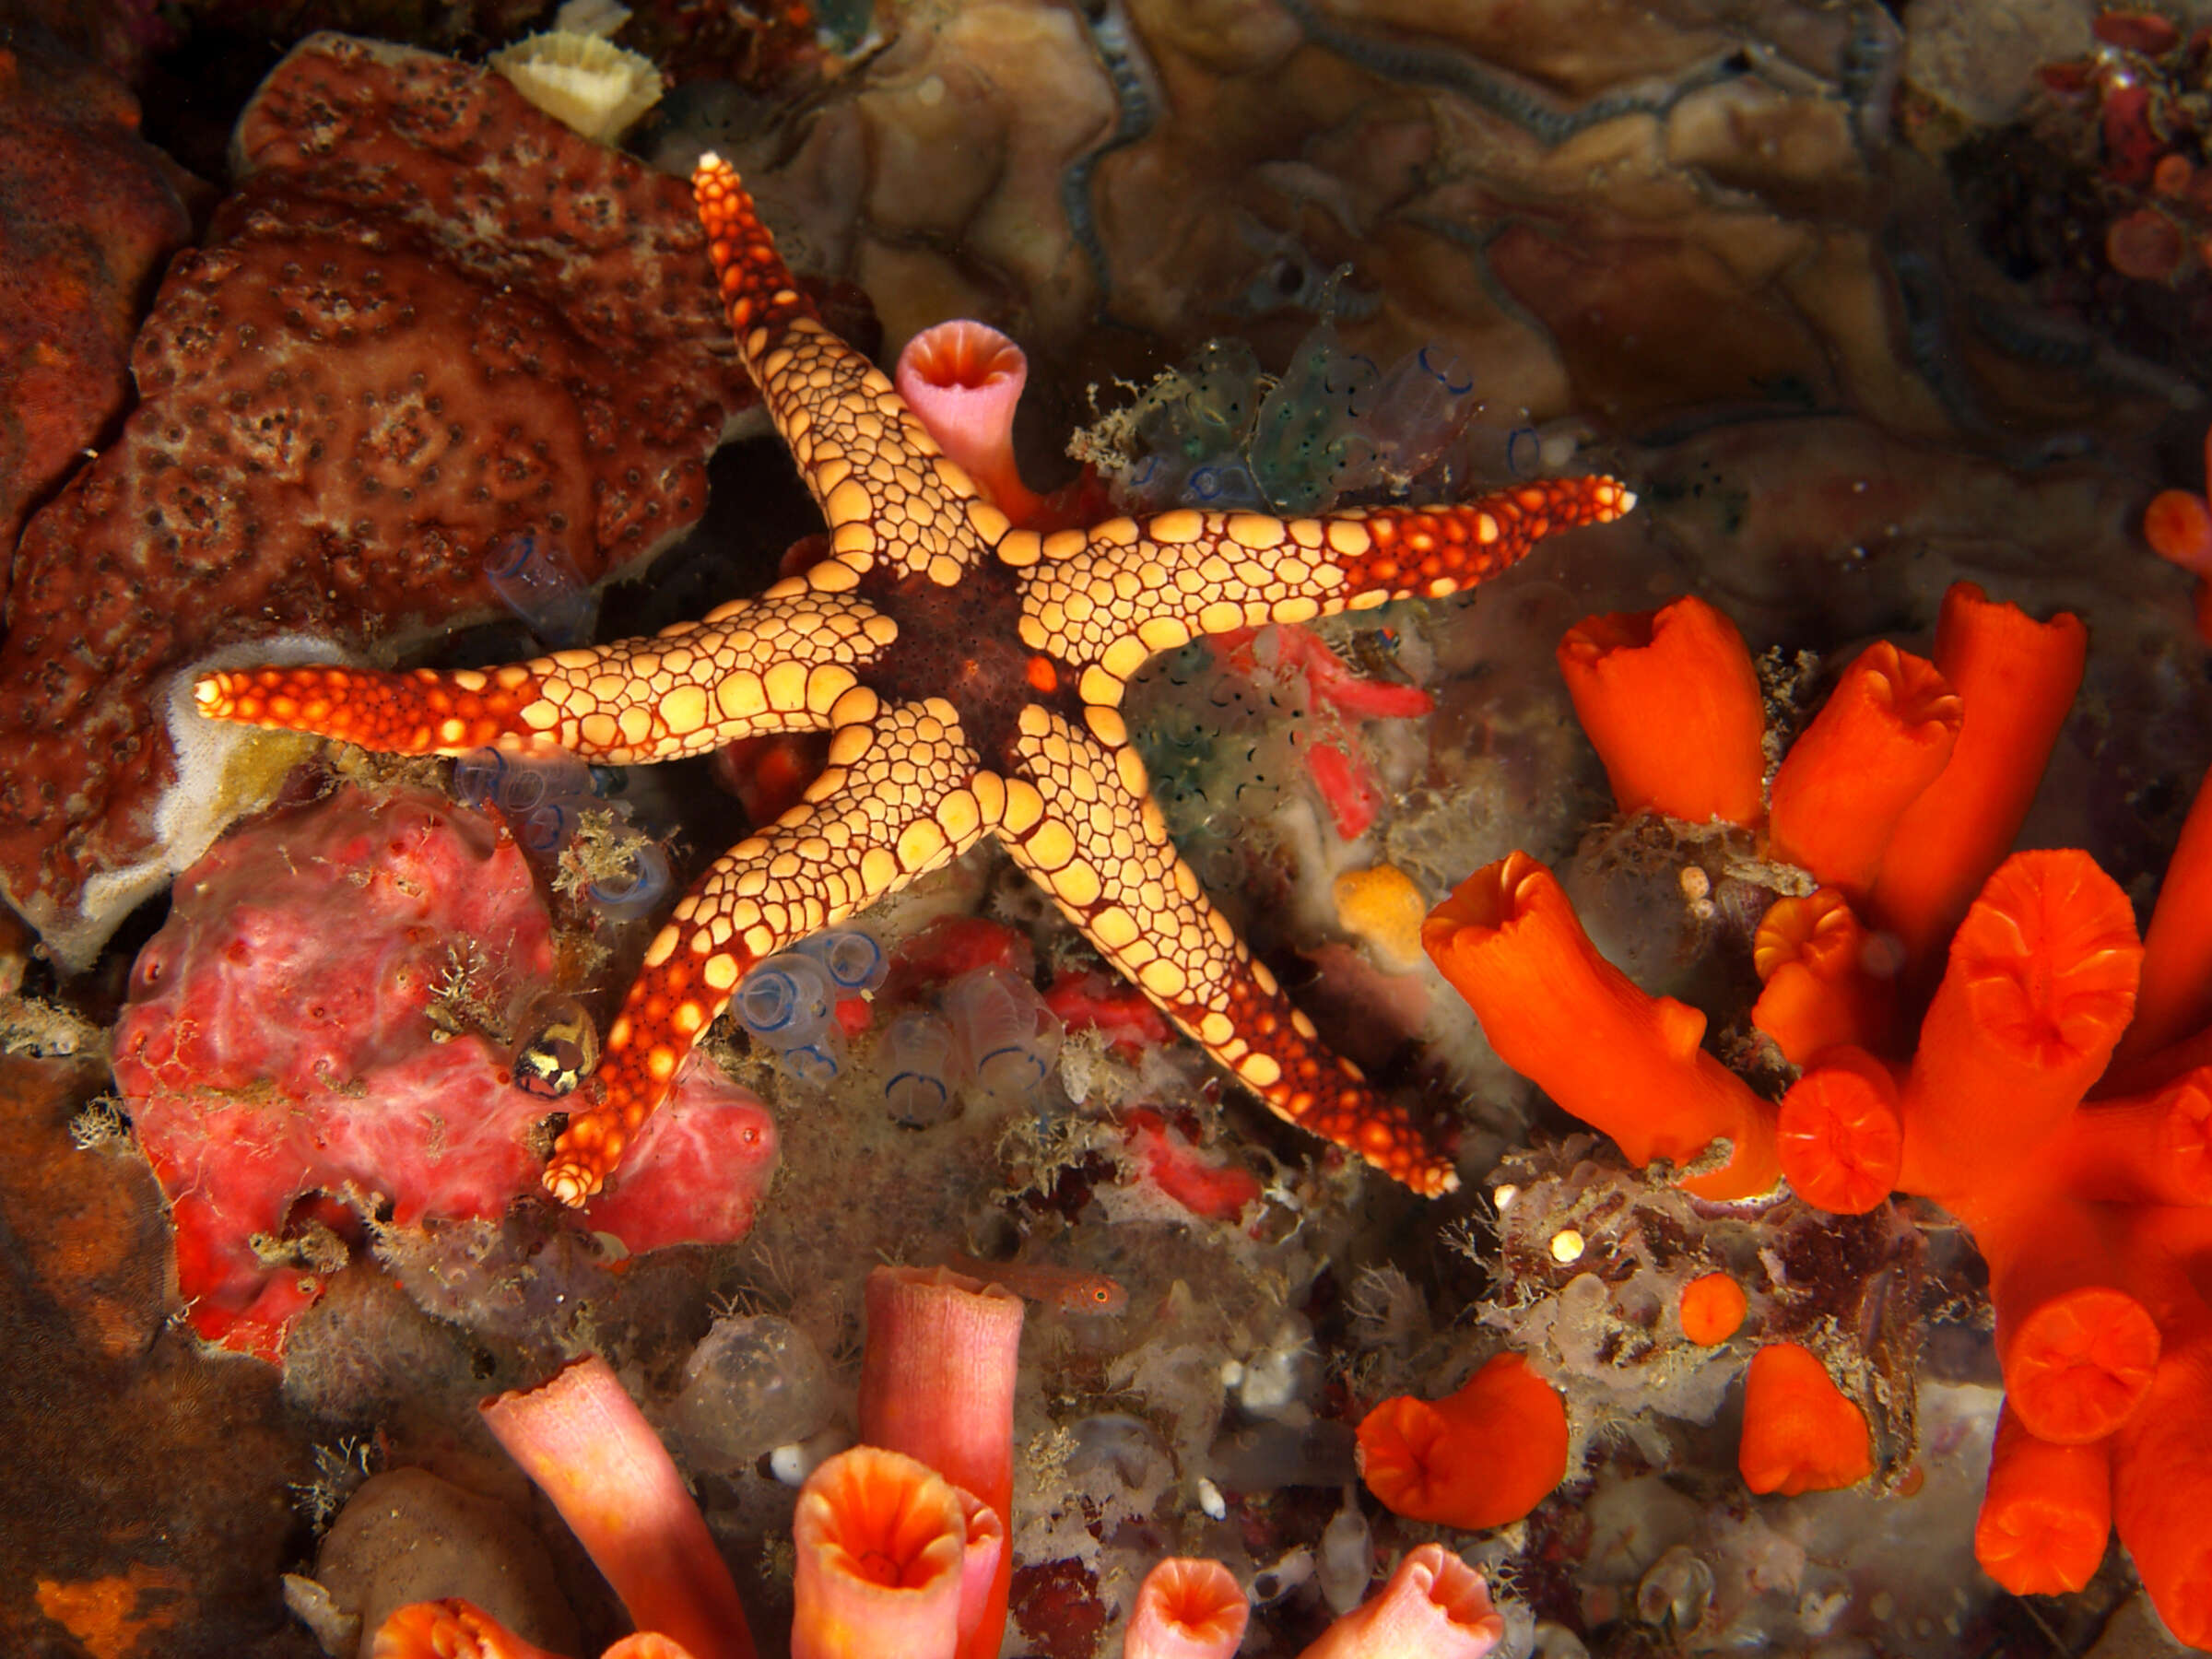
(1964, 1023)
(900, 1542)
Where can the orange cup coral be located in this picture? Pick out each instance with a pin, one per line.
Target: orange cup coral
(1712, 1309)
(881, 1544)
(1801, 1432)
(1187, 1609)
(1885, 734)
(937, 1382)
(1559, 1013)
(1672, 702)
(583, 1441)
(1484, 1456)
(1435, 1606)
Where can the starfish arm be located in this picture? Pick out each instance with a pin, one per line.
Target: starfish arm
(1084, 824)
(904, 794)
(779, 663)
(1103, 601)
(888, 491)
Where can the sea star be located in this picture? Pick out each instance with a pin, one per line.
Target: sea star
(969, 674)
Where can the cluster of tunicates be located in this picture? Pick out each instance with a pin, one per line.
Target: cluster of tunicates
(1215, 433)
(789, 1000)
(543, 798)
(541, 584)
(752, 1385)
(994, 1033)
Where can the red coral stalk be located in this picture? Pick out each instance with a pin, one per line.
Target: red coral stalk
(2175, 997)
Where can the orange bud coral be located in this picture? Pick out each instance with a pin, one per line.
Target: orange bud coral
(2040, 983)
(937, 1382)
(1841, 1135)
(880, 1545)
(592, 1452)
(2046, 1513)
(2178, 525)
(451, 1628)
(2015, 678)
(1435, 1606)
(1885, 734)
(1187, 1609)
(1712, 1309)
(1828, 980)
(1484, 1456)
(963, 380)
(1559, 1013)
(1801, 1432)
(2175, 997)
(1671, 703)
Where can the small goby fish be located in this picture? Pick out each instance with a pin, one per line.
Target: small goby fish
(1066, 1288)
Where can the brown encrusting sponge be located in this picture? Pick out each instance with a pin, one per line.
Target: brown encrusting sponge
(431, 317)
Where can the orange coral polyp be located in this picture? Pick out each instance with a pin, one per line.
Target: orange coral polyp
(2178, 525)
(2175, 997)
(2046, 1514)
(1187, 1608)
(1484, 1456)
(879, 1542)
(2040, 983)
(1885, 734)
(937, 1382)
(586, 1444)
(2076, 1363)
(1712, 1306)
(2015, 678)
(2154, 1148)
(1671, 703)
(1841, 1133)
(1827, 981)
(1434, 1605)
(450, 1629)
(1628, 1065)
(1801, 1432)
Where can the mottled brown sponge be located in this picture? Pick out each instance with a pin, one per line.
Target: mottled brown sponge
(431, 316)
